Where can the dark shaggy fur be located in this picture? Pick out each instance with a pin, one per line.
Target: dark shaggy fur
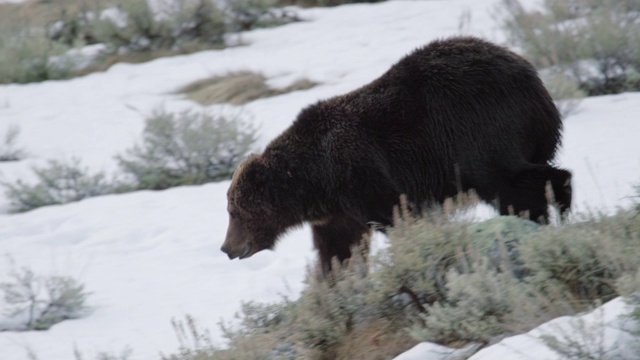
(457, 114)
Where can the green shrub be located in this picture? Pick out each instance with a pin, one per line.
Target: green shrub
(476, 308)
(457, 281)
(257, 338)
(27, 55)
(330, 308)
(74, 27)
(264, 332)
(176, 27)
(582, 342)
(482, 295)
(9, 151)
(177, 149)
(589, 339)
(629, 286)
(319, 325)
(194, 343)
(447, 280)
(595, 42)
(58, 183)
(413, 268)
(187, 149)
(43, 300)
(316, 3)
(242, 15)
(584, 259)
(256, 318)
(565, 90)
(36, 37)
(546, 272)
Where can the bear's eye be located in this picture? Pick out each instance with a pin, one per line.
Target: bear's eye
(233, 214)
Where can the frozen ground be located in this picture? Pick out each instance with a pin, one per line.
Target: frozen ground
(150, 256)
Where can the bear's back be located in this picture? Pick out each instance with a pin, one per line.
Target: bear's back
(460, 102)
(462, 91)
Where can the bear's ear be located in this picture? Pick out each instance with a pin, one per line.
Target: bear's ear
(253, 185)
(253, 171)
(253, 157)
(240, 175)
(246, 169)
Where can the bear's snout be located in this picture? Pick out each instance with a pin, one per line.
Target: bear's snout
(236, 244)
(234, 253)
(226, 250)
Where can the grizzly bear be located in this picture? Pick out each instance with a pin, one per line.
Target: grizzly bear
(455, 115)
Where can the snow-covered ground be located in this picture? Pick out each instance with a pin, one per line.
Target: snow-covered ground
(601, 334)
(148, 257)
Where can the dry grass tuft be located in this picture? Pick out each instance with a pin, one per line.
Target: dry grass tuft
(41, 13)
(237, 88)
(375, 340)
(108, 60)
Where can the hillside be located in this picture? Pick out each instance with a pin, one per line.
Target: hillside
(148, 257)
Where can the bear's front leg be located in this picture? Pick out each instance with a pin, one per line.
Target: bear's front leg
(335, 238)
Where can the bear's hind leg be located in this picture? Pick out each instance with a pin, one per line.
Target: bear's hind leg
(527, 193)
(524, 202)
(335, 238)
(562, 190)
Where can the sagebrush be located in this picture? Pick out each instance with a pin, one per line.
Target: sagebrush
(448, 280)
(187, 148)
(593, 42)
(9, 150)
(314, 3)
(37, 38)
(26, 54)
(42, 301)
(59, 182)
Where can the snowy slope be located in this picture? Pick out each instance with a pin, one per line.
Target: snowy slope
(602, 331)
(150, 256)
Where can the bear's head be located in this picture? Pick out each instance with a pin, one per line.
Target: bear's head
(256, 219)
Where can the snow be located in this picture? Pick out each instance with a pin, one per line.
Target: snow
(601, 331)
(148, 257)
(432, 351)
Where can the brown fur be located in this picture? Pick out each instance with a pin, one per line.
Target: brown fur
(458, 114)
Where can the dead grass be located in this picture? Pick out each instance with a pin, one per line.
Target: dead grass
(375, 340)
(108, 60)
(237, 88)
(40, 13)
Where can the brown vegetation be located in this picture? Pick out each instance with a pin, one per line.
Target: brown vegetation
(237, 88)
(447, 280)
